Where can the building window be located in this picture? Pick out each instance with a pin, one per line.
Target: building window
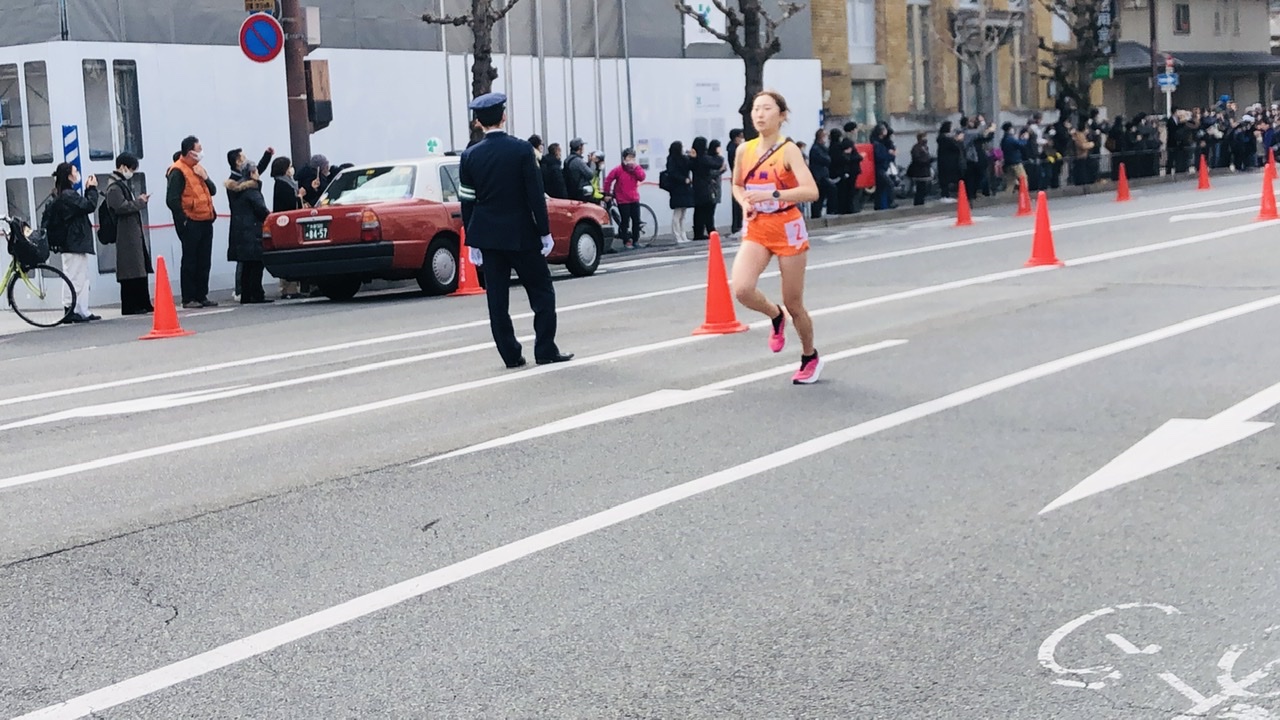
(97, 110)
(129, 114)
(866, 105)
(15, 190)
(11, 140)
(861, 18)
(1182, 19)
(39, 123)
(1019, 89)
(919, 35)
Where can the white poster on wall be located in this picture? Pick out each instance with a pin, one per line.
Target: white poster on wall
(695, 33)
(708, 111)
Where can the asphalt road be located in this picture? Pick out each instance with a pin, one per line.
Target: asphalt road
(255, 521)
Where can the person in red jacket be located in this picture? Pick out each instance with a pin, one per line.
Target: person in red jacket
(623, 184)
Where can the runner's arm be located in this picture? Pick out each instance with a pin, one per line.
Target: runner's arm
(806, 189)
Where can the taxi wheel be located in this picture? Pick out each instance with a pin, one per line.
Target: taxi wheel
(586, 245)
(439, 273)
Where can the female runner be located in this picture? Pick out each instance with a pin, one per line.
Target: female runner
(770, 177)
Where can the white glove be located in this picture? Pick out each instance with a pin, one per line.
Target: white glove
(547, 245)
(477, 257)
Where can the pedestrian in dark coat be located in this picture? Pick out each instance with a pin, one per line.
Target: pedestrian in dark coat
(71, 235)
(133, 254)
(248, 211)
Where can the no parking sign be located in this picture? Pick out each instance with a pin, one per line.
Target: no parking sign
(261, 38)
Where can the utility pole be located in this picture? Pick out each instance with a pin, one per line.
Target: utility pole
(1155, 67)
(295, 80)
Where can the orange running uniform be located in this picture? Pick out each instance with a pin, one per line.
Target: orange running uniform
(777, 225)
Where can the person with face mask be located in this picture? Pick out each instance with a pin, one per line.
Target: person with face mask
(133, 256)
(189, 197)
(287, 195)
(71, 235)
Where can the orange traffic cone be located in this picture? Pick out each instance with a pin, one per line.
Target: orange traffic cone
(1268, 210)
(1042, 252)
(720, 319)
(963, 217)
(1122, 186)
(1024, 199)
(164, 322)
(468, 277)
(1204, 174)
(1271, 162)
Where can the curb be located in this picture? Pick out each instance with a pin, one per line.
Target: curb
(935, 208)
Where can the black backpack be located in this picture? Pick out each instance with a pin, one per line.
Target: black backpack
(107, 219)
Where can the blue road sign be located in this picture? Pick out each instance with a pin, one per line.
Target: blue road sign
(261, 37)
(71, 150)
(1167, 80)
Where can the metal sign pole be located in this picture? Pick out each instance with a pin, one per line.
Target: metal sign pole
(448, 77)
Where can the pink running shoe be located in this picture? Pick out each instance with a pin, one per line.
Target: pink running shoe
(778, 338)
(808, 372)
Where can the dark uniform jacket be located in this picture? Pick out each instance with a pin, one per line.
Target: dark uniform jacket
(503, 203)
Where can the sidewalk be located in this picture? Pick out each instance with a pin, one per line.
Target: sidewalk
(934, 206)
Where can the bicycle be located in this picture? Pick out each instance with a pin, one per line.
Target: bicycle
(35, 291)
(648, 230)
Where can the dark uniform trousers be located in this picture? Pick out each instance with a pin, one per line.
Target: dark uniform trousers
(534, 274)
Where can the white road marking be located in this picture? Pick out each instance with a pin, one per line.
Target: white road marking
(1184, 689)
(267, 640)
(626, 352)
(203, 313)
(1049, 648)
(1212, 215)
(1129, 648)
(76, 390)
(651, 402)
(1174, 443)
(164, 402)
(1233, 689)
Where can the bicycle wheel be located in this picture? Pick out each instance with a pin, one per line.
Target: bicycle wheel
(37, 296)
(648, 224)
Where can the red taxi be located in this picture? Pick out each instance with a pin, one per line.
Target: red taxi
(402, 220)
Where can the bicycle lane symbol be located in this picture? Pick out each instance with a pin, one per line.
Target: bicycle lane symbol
(1231, 688)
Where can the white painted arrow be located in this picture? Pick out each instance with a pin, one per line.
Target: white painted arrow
(155, 402)
(1174, 443)
(651, 402)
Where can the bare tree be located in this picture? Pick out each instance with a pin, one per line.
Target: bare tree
(752, 34)
(1093, 25)
(977, 33)
(484, 15)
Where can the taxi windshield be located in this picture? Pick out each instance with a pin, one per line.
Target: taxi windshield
(376, 184)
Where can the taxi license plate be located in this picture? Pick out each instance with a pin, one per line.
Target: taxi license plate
(315, 230)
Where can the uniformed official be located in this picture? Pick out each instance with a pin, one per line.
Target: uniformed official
(504, 211)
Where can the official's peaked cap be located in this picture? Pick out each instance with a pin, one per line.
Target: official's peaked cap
(487, 101)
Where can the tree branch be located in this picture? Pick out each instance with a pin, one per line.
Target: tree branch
(455, 20)
(731, 24)
(772, 43)
(503, 12)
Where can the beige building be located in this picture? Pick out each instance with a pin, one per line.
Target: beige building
(896, 60)
(1219, 47)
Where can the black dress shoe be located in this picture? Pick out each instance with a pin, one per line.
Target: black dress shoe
(558, 358)
(518, 363)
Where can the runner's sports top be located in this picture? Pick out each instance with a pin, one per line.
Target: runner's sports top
(777, 225)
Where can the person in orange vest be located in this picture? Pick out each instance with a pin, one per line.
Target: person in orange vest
(190, 199)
